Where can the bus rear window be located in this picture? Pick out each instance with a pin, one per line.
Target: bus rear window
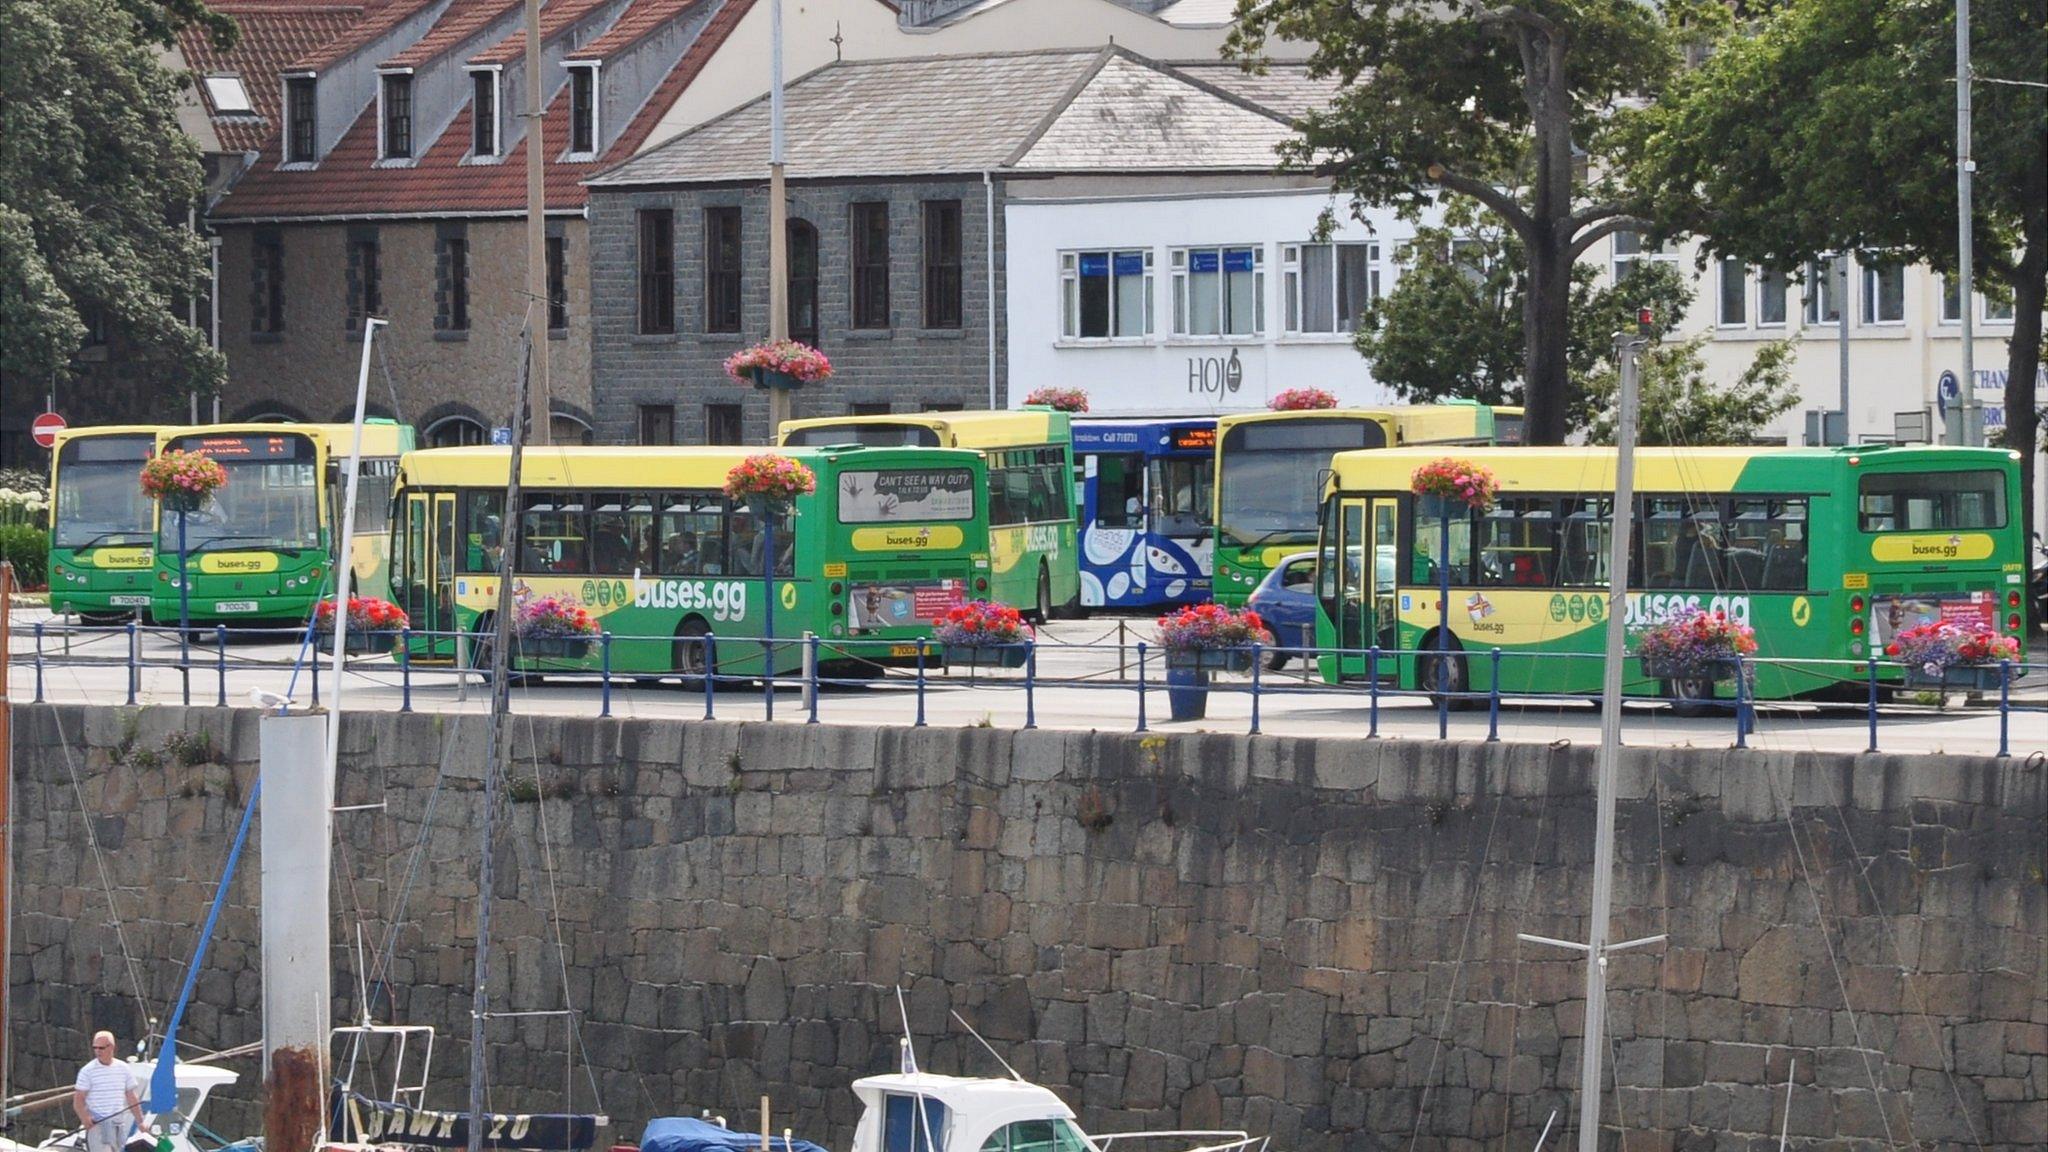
(1931, 501)
(902, 495)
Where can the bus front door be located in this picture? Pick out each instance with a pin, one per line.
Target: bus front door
(428, 572)
(1379, 576)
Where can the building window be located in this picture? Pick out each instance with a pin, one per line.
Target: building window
(582, 111)
(657, 423)
(803, 282)
(1329, 286)
(229, 97)
(1824, 283)
(871, 265)
(397, 117)
(1994, 310)
(657, 271)
(721, 269)
(453, 261)
(1106, 294)
(266, 309)
(1770, 298)
(722, 424)
(1630, 250)
(558, 284)
(299, 93)
(942, 264)
(1219, 291)
(1884, 294)
(1733, 306)
(365, 280)
(455, 432)
(1951, 301)
(483, 114)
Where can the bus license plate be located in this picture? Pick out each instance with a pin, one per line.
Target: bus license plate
(235, 606)
(902, 649)
(129, 601)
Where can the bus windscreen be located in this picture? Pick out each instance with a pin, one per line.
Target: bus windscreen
(906, 495)
(99, 497)
(271, 499)
(1272, 475)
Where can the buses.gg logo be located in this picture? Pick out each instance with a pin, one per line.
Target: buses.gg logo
(724, 599)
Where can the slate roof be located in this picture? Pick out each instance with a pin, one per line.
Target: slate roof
(1285, 88)
(274, 33)
(1053, 111)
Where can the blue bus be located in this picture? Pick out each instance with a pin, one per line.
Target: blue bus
(1146, 489)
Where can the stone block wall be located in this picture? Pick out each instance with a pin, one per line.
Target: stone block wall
(1315, 939)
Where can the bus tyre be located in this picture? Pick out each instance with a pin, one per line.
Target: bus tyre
(1276, 659)
(1454, 681)
(1043, 610)
(688, 658)
(1691, 696)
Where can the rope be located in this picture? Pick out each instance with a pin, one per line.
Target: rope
(561, 943)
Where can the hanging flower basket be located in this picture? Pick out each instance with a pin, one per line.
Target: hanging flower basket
(1058, 399)
(1952, 656)
(181, 481)
(1210, 637)
(769, 478)
(1302, 400)
(981, 633)
(778, 364)
(553, 627)
(1451, 479)
(1694, 646)
(373, 624)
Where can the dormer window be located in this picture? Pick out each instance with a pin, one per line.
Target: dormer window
(298, 132)
(228, 96)
(583, 110)
(398, 117)
(483, 114)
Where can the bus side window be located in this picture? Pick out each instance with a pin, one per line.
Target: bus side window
(1119, 483)
(1518, 545)
(482, 529)
(1582, 559)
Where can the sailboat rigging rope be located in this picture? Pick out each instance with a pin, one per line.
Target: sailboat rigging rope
(547, 855)
(99, 861)
(1458, 968)
(387, 953)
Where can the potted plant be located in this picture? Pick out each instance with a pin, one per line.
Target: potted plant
(1058, 399)
(1302, 400)
(181, 481)
(1692, 651)
(767, 478)
(1438, 485)
(980, 632)
(778, 364)
(1947, 655)
(1205, 638)
(553, 627)
(373, 624)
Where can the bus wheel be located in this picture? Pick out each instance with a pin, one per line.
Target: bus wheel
(1043, 611)
(1690, 696)
(1276, 659)
(688, 657)
(1455, 682)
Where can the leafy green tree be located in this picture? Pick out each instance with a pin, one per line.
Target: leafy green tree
(1509, 105)
(1678, 406)
(1829, 125)
(95, 183)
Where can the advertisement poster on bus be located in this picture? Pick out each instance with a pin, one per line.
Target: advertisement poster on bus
(1893, 614)
(873, 606)
(906, 494)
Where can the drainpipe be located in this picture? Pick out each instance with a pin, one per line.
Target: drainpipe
(988, 189)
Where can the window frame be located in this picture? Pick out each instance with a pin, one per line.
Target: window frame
(868, 265)
(717, 413)
(302, 119)
(803, 290)
(1721, 299)
(1812, 313)
(1627, 250)
(1070, 295)
(1294, 272)
(267, 253)
(1765, 279)
(483, 112)
(1181, 270)
(1869, 282)
(656, 246)
(556, 252)
(394, 109)
(366, 296)
(944, 258)
(456, 249)
(583, 110)
(652, 416)
(231, 83)
(724, 264)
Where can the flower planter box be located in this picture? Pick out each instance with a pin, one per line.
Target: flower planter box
(551, 647)
(987, 655)
(1210, 659)
(1965, 677)
(1710, 671)
(770, 378)
(181, 500)
(365, 643)
(1187, 692)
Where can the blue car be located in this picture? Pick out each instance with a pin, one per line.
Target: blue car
(1286, 601)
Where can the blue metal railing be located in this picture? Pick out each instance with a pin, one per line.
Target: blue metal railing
(877, 665)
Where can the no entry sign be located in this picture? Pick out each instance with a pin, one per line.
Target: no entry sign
(45, 429)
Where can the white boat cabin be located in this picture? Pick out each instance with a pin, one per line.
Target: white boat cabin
(922, 1112)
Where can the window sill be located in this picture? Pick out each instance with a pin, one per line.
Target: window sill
(558, 333)
(871, 334)
(299, 166)
(1105, 341)
(1824, 332)
(396, 162)
(1979, 329)
(1184, 341)
(452, 336)
(652, 338)
(721, 337)
(1340, 339)
(266, 337)
(940, 333)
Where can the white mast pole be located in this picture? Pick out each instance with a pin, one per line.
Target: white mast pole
(343, 568)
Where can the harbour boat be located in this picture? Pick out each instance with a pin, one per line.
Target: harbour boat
(178, 1130)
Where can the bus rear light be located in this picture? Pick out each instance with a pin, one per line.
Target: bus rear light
(981, 583)
(838, 589)
(838, 608)
(1856, 605)
(2012, 622)
(2012, 599)
(1856, 626)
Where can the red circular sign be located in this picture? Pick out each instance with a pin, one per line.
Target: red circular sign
(45, 429)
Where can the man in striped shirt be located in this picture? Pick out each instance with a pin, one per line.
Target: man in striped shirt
(104, 1097)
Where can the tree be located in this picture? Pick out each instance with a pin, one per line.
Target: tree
(1677, 405)
(1509, 105)
(1830, 126)
(96, 179)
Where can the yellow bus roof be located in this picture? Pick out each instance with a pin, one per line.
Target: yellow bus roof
(1591, 469)
(624, 466)
(1410, 423)
(965, 429)
(379, 439)
(91, 431)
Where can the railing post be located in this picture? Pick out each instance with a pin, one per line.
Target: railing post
(1141, 685)
(1872, 705)
(1372, 682)
(2004, 708)
(1258, 658)
(39, 661)
(1123, 652)
(314, 664)
(811, 673)
(604, 669)
(1741, 703)
(1493, 703)
(1031, 683)
(134, 656)
(220, 657)
(405, 669)
(920, 682)
(710, 649)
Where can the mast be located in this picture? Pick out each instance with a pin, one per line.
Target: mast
(536, 229)
(498, 748)
(6, 813)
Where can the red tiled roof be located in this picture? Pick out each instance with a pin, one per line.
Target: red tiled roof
(274, 33)
(554, 19)
(378, 22)
(636, 23)
(464, 19)
(348, 182)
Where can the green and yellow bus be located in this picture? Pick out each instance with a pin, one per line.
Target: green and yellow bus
(646, 540)
(1033, 549)
(1270, 469)
(102, 528)
(1826, 553)
(262, 548)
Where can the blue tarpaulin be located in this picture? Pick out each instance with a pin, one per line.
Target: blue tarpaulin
(681, 1134)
